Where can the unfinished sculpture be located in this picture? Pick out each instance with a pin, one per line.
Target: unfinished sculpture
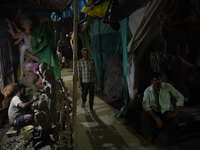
(52, 111)
(45, 111)
(46, 133)
(50, 87)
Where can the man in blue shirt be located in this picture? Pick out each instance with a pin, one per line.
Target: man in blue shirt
(158, 108)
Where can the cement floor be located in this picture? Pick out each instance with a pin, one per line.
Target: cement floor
(100, 131)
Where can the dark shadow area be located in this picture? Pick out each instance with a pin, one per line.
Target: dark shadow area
(184, 138)
(117, 103)
(4, 129)
(104, 137)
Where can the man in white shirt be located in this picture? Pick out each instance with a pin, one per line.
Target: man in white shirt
(159, 110)
(17, 112)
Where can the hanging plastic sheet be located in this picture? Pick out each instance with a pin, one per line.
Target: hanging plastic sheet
(87, 7)
(124, 34)
(118, 9)
(140, 23)
(44, 51)
(110, 41)
(69, 11)
(97, 11)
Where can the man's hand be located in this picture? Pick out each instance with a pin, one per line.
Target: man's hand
(35, 98)
(159, 122)
(170, 114)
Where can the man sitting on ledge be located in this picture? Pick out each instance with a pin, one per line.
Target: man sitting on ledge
(19, 112)
(158, 110)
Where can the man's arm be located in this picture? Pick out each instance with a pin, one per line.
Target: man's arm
(27, 104)
(179, 100)
(79, 82)
(177, 109)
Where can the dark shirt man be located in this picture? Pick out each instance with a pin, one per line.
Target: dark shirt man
(158, 109)
(86, 74)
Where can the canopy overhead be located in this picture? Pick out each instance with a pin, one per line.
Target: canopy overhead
(38, 5)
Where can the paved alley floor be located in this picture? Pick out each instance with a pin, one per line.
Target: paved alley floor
(100, 131)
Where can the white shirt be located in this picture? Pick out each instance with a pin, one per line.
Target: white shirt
(14, 110)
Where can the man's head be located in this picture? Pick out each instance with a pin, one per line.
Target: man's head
(156, 79)
(84, 53)
(19, 88)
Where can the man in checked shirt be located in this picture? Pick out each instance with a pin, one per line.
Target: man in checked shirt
(86, 73)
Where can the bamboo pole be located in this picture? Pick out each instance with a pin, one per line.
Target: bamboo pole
(75, 47)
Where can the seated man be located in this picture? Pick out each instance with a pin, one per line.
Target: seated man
(158, 110)
(6, 96)
(18, 110)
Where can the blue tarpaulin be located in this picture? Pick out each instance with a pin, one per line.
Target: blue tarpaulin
(69, 11)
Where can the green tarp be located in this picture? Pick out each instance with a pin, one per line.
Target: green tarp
(45, 52)
(110, 43)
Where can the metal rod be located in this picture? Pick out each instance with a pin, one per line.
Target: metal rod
(75, 47)
(101, 59)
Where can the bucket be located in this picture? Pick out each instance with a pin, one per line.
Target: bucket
(26, 132)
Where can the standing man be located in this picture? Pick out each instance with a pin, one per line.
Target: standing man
(159, 111)
(86, 73)
(19, 111)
